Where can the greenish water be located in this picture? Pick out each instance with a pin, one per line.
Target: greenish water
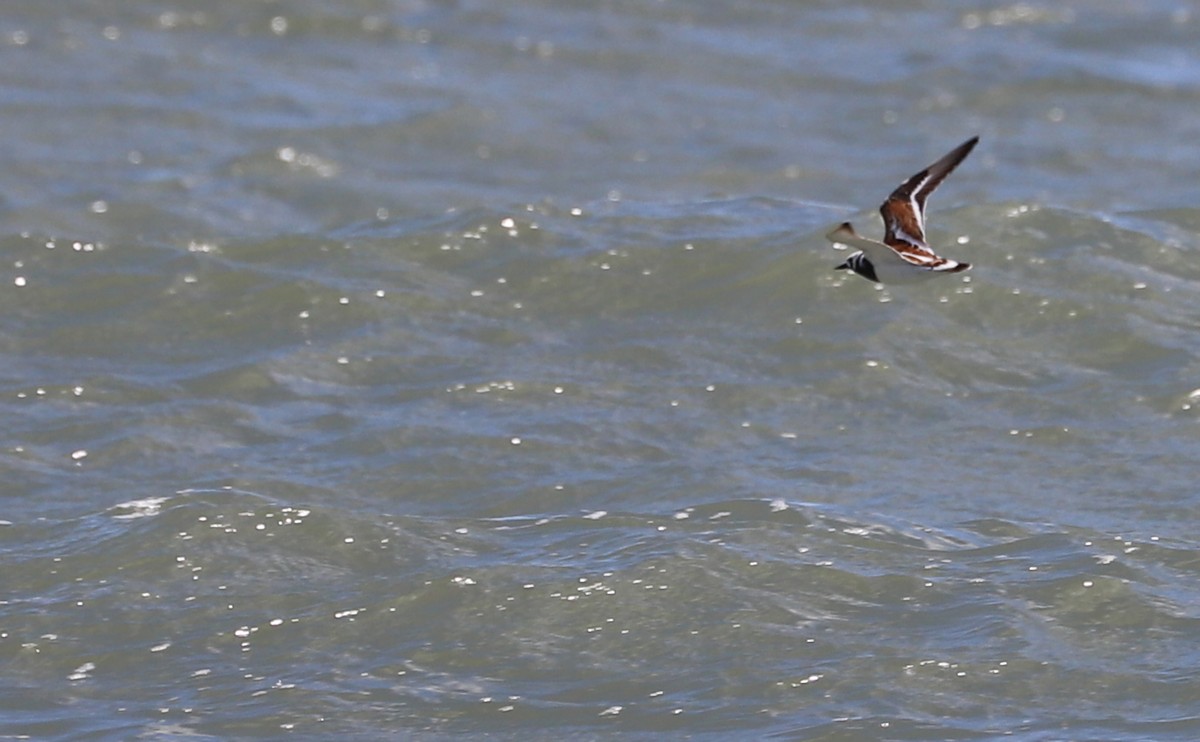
(424, 369)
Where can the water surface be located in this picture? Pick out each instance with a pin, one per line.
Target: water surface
(418, 369)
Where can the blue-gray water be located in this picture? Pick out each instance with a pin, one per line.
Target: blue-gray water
(410, 369)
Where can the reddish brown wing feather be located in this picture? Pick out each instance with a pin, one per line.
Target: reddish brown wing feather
(904, 210)
(926, 259)
(916, 254)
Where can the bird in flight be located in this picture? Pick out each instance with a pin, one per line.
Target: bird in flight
(903, 256)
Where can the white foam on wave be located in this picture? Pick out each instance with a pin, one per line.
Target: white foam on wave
(143, 508)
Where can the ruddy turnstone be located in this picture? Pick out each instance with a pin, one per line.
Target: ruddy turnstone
(903, 256)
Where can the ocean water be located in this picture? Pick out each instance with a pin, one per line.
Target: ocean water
(417, 369)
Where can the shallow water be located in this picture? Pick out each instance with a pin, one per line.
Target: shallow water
(417, 369)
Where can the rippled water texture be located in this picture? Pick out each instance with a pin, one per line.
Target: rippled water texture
(389, 369)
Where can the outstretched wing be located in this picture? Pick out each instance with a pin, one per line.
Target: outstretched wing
(881, 255)
(904, 210)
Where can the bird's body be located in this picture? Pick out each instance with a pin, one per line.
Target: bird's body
(903, 256)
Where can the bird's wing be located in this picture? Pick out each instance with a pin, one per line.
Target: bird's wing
(904, 210)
